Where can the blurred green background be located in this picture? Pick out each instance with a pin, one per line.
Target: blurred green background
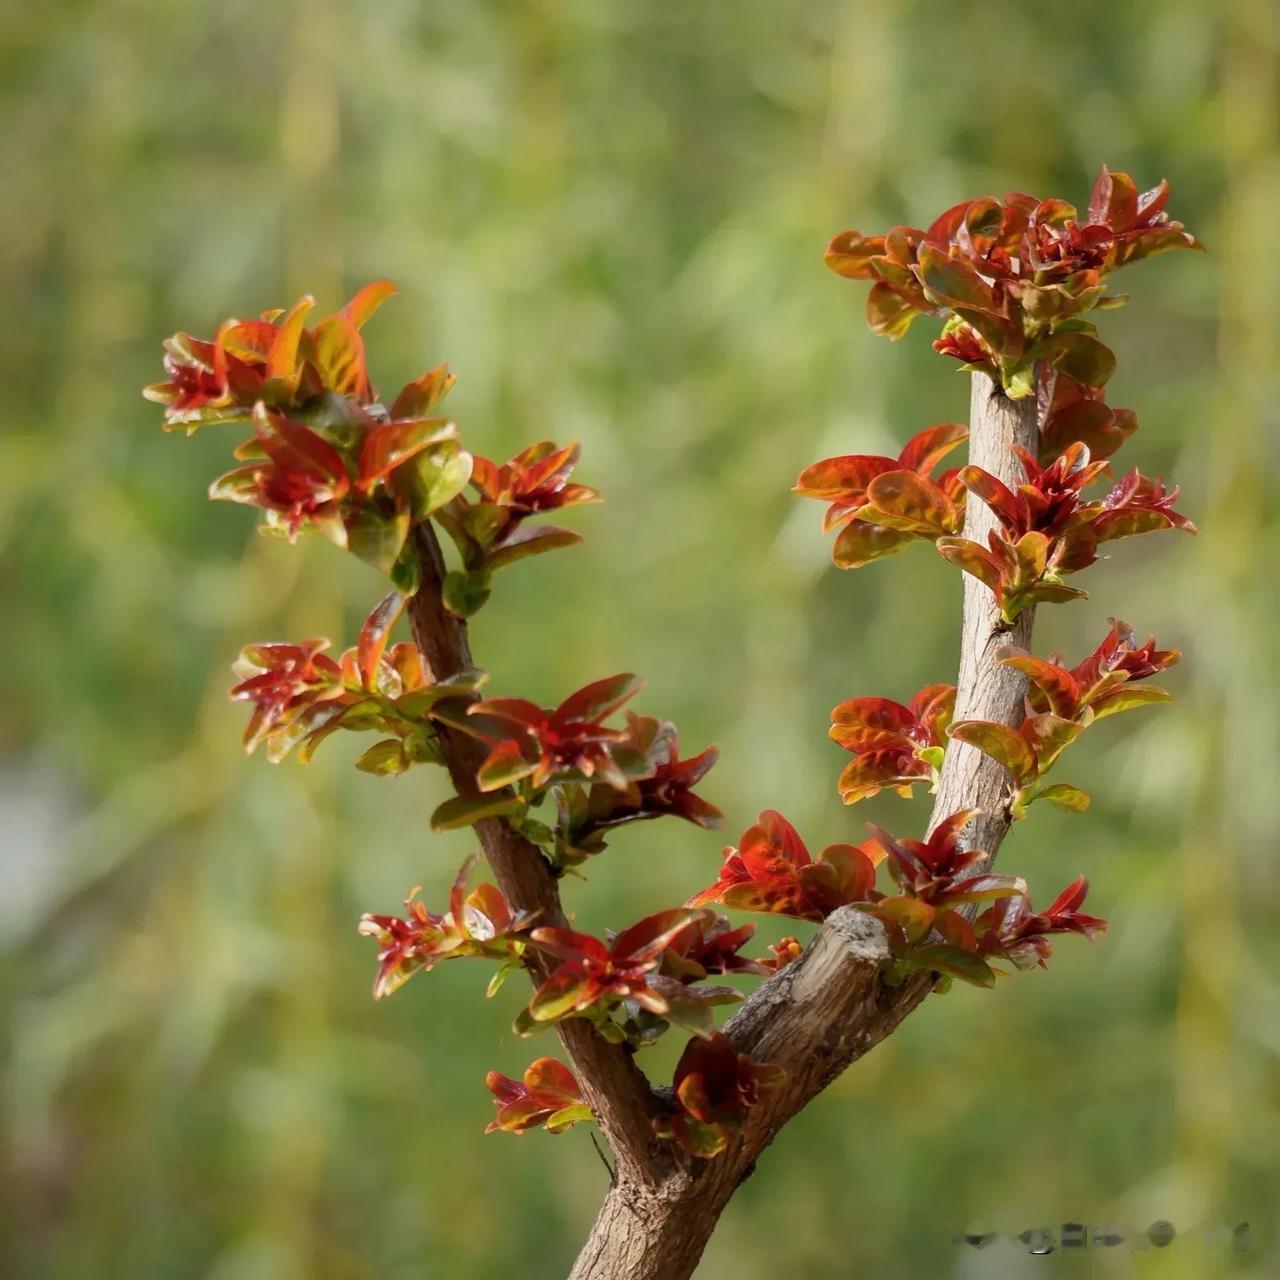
(609, 218)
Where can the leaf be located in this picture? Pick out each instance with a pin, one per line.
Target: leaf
(1031, 552)
(525, 1025)
(927, 448)
(956, 963)
(834, 478)
(464, 811)
(367, 300)
(282, 359)
(1049, 735)
(1053, 592)
(911, 915)
(374, 635)
(375, 537)
(240, 485)
(530, 540)
(1059, 686)
(389, 445)
(849, 254)
(887, 312)
(647, 939)
(561, 993)
(337, 351)
(1114, 200)
(505, 764)
(905, 500)
(691, 1008)
(984, 888)
(862, 723)
(464, 593)
(1065, 796)
(1079, 355)
(433, 478)
(1010, 508)
(859, 543)
(419, 397)
(1128, 696)
(386, 757)
(406, 573)
(1128, 522)
(871, 772)
(573, 1114)
(973, 559)
(950, 281)
(295, 447)
(999, 742)
(601, 698)
(505, 969)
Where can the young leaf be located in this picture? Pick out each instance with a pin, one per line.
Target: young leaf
(1001, 743)
(464, 811)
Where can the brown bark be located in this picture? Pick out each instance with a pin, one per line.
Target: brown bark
(831, 1006)
(818, 1015)
(617, 1090)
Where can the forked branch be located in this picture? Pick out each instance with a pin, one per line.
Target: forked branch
(824, 1011)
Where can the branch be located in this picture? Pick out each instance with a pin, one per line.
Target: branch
(831, 1006)
(616, 1089)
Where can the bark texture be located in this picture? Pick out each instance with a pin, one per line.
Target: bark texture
(616, 1088)
(831, 1006)
(822, 1012)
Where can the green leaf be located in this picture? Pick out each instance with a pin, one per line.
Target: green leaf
(386, 757)
(560, 1120)
(1127, 697)
(559, 994)
(463, 811)
(525, 1025)
(1065, 796)
(956, 963)
(505, 970)
(406, 573)
(378, 539)
(464, 593)
(913, 917)
(432, 478)
(1079, 355)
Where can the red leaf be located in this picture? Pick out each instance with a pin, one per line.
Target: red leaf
(927, 448)
(282, 359)
(593, 702)
(367, 300)
(374, 635)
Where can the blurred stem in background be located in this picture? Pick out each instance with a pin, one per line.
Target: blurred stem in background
(1231, 841)
(281, 1240)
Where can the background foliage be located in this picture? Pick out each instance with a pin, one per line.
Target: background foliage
(609, 218)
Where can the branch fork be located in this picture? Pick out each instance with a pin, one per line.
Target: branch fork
(819, 1014)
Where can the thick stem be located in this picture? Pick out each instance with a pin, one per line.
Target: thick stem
(831, 1006)
(986, 690)
(619, 1095)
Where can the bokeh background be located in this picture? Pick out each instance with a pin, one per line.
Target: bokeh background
(609, 217)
